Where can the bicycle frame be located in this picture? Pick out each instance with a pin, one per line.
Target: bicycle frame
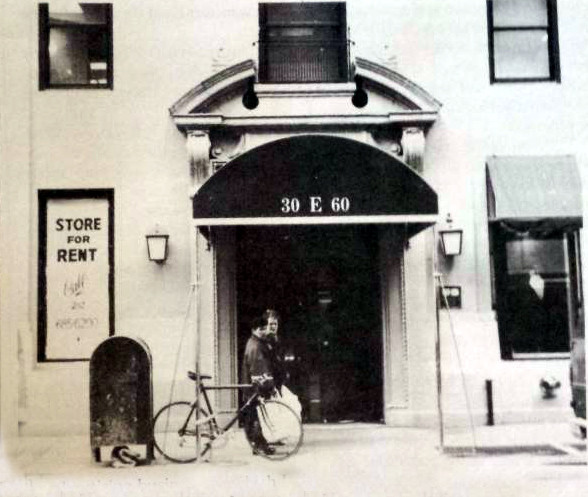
(212, 416)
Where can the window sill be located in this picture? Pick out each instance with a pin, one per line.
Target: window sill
(524, 80)
(304, 89)
(76, 87)
(540, 356)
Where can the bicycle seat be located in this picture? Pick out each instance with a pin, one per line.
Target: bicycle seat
(192, 376)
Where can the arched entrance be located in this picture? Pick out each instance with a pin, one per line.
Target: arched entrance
(316, 226)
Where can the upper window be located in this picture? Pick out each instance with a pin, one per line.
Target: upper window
(522, 38)
(302, 42)
(75, 46)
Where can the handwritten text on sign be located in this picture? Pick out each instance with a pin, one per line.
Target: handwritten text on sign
(77, 277)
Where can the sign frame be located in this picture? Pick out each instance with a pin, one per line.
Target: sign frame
(44, 197)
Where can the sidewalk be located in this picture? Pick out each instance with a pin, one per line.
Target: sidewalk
(335, 460)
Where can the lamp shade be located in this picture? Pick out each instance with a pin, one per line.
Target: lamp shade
(451, 242)
(157, 247)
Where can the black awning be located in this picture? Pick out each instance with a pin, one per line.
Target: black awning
(527, 190)
(315, 180)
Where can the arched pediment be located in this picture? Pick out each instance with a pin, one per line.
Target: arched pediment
(217, 101)
(395, 85)
(204, 95)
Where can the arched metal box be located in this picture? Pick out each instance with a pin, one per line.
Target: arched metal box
(121, 395)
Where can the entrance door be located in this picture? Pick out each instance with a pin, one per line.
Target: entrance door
(324, 282)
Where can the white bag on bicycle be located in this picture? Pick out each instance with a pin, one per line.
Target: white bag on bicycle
(276, 421)
(289, 398)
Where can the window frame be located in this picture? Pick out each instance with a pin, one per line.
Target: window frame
(45, 60)
(264, 43)
(552, 48)
(498, 239)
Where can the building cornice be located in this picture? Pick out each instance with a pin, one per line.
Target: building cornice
(190, 122)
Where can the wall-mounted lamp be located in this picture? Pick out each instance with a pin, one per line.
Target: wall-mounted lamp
(157, 247)
(451, 239)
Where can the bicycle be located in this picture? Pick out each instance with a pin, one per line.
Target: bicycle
(177, 425)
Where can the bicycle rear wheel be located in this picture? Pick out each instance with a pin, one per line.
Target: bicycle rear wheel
(281, 428)
(174, 431)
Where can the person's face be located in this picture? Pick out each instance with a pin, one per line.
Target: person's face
(272, 327)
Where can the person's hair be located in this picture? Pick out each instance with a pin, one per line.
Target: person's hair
(271, 313)
(258, 322)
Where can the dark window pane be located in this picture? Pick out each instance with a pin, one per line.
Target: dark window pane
(535, 295)
(78, 46)
(299, 63)
(292, 13)
(303, 42)
(521, 54)
(68, 56)
(543, 256)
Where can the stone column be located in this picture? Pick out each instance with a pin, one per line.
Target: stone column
(413, 146)
(198, 147)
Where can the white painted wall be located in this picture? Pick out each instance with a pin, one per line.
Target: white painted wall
(124, 139)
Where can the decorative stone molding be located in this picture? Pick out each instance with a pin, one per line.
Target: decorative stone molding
(201, 108)
(399, 86)
(413, 147)
(387, 139)
(198, 147)
(228, 148)
(197, 100)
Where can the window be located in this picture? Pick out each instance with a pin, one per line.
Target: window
(75, 47)
(302, 42)
(535, 220)
(536, 296)
(522, 40)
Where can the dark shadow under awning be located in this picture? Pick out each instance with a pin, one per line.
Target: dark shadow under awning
(534, 191)
(316, 180)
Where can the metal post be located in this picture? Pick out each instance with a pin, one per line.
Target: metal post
(196, 273)
(489, 404)
(437, 286)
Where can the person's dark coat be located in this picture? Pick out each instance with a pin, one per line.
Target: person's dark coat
(276, 363)
(256, 360)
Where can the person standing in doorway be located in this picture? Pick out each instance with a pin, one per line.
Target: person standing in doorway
(275, 353)
(257, 369)
(283, 393)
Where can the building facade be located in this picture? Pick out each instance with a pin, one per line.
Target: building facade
(305, 157)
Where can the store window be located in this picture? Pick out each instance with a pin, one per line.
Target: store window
(303, 42)
(523, 40)
(75, 46)
(535, 220)
(537, 293)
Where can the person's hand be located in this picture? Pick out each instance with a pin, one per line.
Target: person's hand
(265, 385)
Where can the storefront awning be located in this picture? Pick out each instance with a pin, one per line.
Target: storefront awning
(534, 189)
(316, 180)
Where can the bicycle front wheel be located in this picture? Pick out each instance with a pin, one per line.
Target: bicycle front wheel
(281, 428)
(174, 431)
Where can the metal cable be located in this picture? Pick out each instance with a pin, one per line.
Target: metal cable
(464, 385)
